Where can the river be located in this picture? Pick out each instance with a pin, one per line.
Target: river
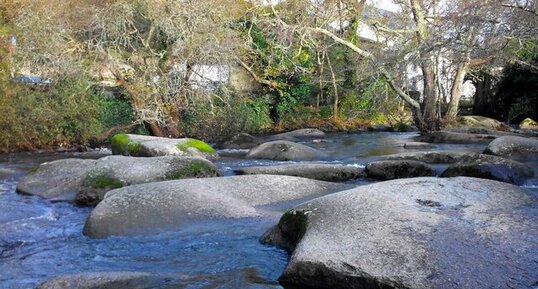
(40, 239)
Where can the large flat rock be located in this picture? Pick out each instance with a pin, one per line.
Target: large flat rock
(397, 169)
(166, 205)
(431, 157)
(86, 181)
(316, 171)
(414, 233)
(455, 137)
(114, 172)
(56, 179)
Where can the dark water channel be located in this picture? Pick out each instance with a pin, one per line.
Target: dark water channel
(40, 239)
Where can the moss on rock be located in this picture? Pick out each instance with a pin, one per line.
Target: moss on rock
(195, 168)
(293, 224)
(197, 144)
(122, 145)
(102, 181)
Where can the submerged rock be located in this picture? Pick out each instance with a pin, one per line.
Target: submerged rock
(151, 146)
(112, 280)
(242, 141)
(413, 233)
(322, 172)
(490, 167)
(417, 145)
(56, 179)
(165, 205)
(519, 148)
(455, 137)
(431, 157)
(285, 151)
(114, 172)
(299, 133)
(396, 169)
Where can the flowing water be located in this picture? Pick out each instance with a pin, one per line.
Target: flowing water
(40, 239)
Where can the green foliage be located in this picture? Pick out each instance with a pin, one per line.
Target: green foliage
(517, 92)
(115, 112)
(36, 117)
(197, 144)
(216, 120)
(375, 98)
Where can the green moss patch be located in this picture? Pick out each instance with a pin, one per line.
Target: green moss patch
(102, 181)
(197, 144)
(122, 145)
(293, 224)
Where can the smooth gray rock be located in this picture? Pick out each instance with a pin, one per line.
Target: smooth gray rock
(112, 280)
(316, 171)
(519, 148)
(417, 145)
(166, 205)
(151, 146)
(490, 167)
(114, 172)
(396, 169)
(285, 151)
(242, 141)
(299, 133)
(431, 157)
(421, 233)
(455, 137)
(56, 179)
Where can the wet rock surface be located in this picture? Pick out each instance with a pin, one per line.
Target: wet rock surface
(413, 233)
(396, 169)
(430, 157)
(113, 280)
(285, 151)
(417, 145)
(519, 148)
(455, 137)
(166, 205)
(490, 167)
(316, 171)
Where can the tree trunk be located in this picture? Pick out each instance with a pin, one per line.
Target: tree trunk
(429, 102)
(455, 92)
